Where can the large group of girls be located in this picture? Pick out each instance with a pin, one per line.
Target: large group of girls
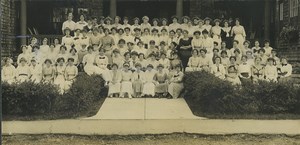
(146, 60)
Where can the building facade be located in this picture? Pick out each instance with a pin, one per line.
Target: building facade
(277, 20)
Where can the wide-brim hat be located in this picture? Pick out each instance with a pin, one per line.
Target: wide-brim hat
(155, 19)
(185, 17)
(160, 65)
(207, 18)
(145, 17)
(150, 65)
(217, 20)
(108, 18)
(195, 18)
(174, 17)
(136, 18)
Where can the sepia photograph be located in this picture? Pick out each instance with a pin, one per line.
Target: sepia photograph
(135, 72)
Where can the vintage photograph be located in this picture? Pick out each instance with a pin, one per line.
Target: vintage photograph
(163, 72)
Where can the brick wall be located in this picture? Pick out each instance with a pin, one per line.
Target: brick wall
(8, 25)
(96, 7)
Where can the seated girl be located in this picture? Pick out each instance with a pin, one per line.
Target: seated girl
(8, 71)
(218, 68)
(175, 84)
(149, 87)
(36, 71)
(193, 64)
(73, 54)
(114, 84)
(137, 81)
(60, 75)
(48, 71)
(22, 71)
(271, 71)
(161, 82)
(284, 71)
(126, 84)
(71, 73)
(232, 75)
(244, 68)
(257, 70)
(117, 58)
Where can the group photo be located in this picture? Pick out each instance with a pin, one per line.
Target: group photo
(150, 71)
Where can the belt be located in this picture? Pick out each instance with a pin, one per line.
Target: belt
(23, 74)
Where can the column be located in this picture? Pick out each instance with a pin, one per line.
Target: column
(267, 20)
(23, 22)
(277, 13)
(179, 8)
(113, 8)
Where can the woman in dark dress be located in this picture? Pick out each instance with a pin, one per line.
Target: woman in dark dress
(226, 34)
(185, 48)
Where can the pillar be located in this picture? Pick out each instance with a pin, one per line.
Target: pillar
(113, 8)
(277, 13)
(23, 22)
(179, 8)
(267, 20)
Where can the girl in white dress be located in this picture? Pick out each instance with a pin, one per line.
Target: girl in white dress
(244, 69)
(8, 72)
(117, 58)
(270, 71)
(137, 81)
(73, 54)
(44, 49)
(63, 53)
(126, 84)
(175, 84)
(67, 40)
(285, 71)
(232, 75)
(142, 61)
(207, 25)
(77, 40)
(193, 63)
(164, 25)
(36, 71)
(59, 79)
(114, 83)
(71, 73)
(57, 45)
(27, 56)
(22, 71)
(148, 87)
(256, 48)
(89, 60)
(52, 55)
(238, 32)
(48, 71)
(218, 68)
(216, 32)
(197, 41)
(82, 23)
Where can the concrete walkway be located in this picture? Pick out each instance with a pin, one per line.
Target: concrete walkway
(153, 126)
(144, 108)
(149, 116)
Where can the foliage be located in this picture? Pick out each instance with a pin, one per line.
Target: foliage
(210, 95)
(30, 99)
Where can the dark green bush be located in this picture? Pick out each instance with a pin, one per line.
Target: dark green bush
(29, 98)
(82, 94)
(210, 95)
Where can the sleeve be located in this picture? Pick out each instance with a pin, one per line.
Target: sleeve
(289, 71)
(244, 33)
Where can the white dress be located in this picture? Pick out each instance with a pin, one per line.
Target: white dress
(60, 78)
(149, 87)
(115, 87)
(216, 33)
(70, 73)
(22, 73)
(126, 85)
(8, 74)
(218, 71)
(68, 41)
(36, 73)
(271, 73)
(240, 34)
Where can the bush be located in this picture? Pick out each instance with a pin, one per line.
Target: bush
(207, 94)
(82, 94)
(30, 99)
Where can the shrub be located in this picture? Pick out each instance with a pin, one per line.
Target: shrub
(30, 99)
(207, 94)
(82, 94)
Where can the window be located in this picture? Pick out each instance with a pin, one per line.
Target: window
(281, 12)
(294, 6)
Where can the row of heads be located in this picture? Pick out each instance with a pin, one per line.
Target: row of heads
(146, 18)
